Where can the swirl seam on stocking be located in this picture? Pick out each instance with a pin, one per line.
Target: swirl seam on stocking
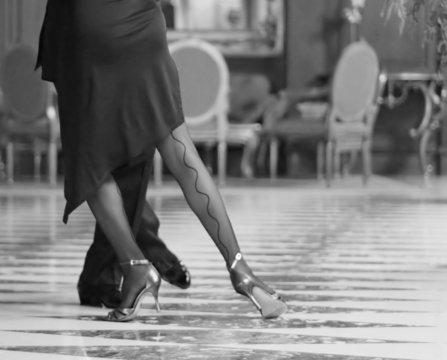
(201, 193)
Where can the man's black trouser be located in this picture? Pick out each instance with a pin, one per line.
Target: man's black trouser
(100, 266)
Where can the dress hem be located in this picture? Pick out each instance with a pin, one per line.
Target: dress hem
(70, 208)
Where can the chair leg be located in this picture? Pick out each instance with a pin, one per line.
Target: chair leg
(10, 162)
(329, 160)
(274, 144)
(367, 163)
(353, 155)
(2, 167)
(52, 163)
(37, 162)
(320, 160)
(222, 162)
(336, 165)
(37, 166)
(158, 169)
(261, 156)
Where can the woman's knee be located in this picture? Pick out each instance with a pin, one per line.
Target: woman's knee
(178, 146)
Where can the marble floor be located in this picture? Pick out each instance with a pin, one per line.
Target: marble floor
(364, 271)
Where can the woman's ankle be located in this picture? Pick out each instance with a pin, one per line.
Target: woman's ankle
(238, 264)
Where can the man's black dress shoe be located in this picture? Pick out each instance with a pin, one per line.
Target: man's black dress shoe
(109, 295)
(175, 273)
(100, 295)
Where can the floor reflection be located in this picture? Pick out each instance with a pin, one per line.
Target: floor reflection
(362, 269)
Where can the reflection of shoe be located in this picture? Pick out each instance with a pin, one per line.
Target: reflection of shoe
(175, 273)
(152, 285)
(99, 294)
(246, 283)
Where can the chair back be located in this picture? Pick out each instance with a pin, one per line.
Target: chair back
(204, 82)
(25, 94)
(248, 93)
(354, 86)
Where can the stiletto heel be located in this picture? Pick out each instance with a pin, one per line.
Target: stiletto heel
(152, 286)
(270, 305)
(157, 304)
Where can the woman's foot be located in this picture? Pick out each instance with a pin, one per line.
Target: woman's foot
(140, 279)
(108, 294)
(246, 283)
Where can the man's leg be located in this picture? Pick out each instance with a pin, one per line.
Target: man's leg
(99, 282)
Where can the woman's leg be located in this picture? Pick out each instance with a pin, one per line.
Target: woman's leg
(182, 159)
(107, 207)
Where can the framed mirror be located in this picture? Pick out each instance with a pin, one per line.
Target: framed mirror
(253, 27)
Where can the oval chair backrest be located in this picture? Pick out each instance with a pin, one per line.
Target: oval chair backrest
(354, 86)
(25, 93)
(204, 80)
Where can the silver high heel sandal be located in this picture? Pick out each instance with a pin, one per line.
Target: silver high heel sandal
(244, 282)
(153, 281)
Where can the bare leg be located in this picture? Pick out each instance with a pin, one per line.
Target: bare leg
(107, 207)
(248, 157)
(182, 159)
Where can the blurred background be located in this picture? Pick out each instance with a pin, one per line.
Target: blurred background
(272, 46)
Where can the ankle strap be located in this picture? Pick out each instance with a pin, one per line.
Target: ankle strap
(135, 262)
(237, 258)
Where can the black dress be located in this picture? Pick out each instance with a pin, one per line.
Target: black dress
(118, 89)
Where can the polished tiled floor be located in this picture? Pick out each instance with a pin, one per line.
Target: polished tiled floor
(364, 271)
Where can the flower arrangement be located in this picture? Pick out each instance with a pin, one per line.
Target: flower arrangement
(435, 12)
(354, 13)
(436, 19)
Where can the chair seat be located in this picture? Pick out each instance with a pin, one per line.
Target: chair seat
(346, 130)
(204, 136)
(296, 128)
(236, 133)
(36, 128)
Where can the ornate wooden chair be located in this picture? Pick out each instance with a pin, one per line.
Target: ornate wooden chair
(30, 119)
(346, 123)
(204, 83)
